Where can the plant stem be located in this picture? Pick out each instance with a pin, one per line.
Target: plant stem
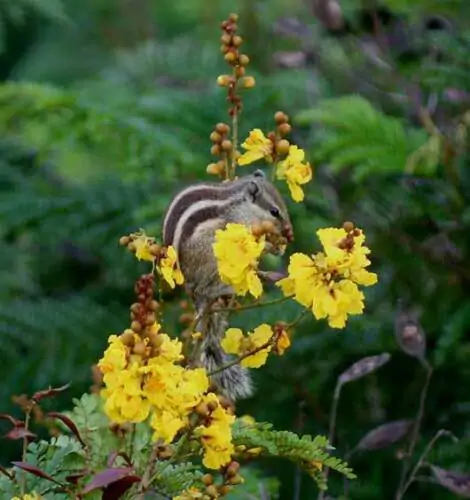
(146, 478)
(419, 464)
(25, 449)
(253, 306)
(416, 430)
(332, 427)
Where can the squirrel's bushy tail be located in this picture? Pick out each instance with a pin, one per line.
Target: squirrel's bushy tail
(233, 382)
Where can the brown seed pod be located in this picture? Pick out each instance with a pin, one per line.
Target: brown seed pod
(363, 367)
(409, 334)
(456, 482)
(385, 435)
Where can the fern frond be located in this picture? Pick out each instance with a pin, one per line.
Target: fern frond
(360, 136)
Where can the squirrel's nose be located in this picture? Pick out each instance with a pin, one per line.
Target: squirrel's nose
(288, 233)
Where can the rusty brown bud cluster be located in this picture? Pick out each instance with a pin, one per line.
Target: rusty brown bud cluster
(347, 243)
(231, 43)
(222, 146)
(142, 337)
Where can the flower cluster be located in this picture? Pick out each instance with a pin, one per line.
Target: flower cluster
(164, 258)
(237, 251)
(327, 283)
(292, 168)
(254, 348)
(143, 380)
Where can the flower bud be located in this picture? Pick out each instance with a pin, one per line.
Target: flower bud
(154, 305)
(212, 405)
(248, 82)
(139, 348)
(284, 128)
(243, 59)
(240, 71)
(233, 17)
(280, 117)
(282, 147)
(224, 49)
(215, 150)
(226, 39)
(215, 137)
(223, 80)
(237, 41)
(232, 469)
(222, 128)
(207, 479)
(230, 57)
(227, 145)
(348, 226)
(155, 249)
(213, 169)
(136, 326)
(212, 491)
(124, 241)
(202, 409)
(131, 247)
(127, 338)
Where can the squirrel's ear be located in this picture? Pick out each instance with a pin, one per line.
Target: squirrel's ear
(259, 173)
(252, 190)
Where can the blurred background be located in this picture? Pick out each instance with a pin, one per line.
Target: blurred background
(106, 107)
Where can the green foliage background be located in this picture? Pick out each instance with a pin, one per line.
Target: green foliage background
(105, 111)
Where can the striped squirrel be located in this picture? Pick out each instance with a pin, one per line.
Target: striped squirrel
(189, 226)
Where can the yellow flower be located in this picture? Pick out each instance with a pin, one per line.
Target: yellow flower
(216, 437)
(295, 172)
(169, 269)
(258, 146)
(237, 252)
(235, 342)
(114, 357)
(166, 425)
(327, 283)
(29, 496)
(282, 343)
(169, 350)
(142, 245)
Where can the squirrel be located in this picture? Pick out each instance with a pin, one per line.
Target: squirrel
(189, 225)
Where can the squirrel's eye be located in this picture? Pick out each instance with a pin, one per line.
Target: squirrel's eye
(275, 212)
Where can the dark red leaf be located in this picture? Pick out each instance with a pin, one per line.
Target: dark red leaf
(34, 470)
(106, 477)
(116, 490)
(69, 423)
(49, 393)
(19, 433)
(12, 420)
(112, 458)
